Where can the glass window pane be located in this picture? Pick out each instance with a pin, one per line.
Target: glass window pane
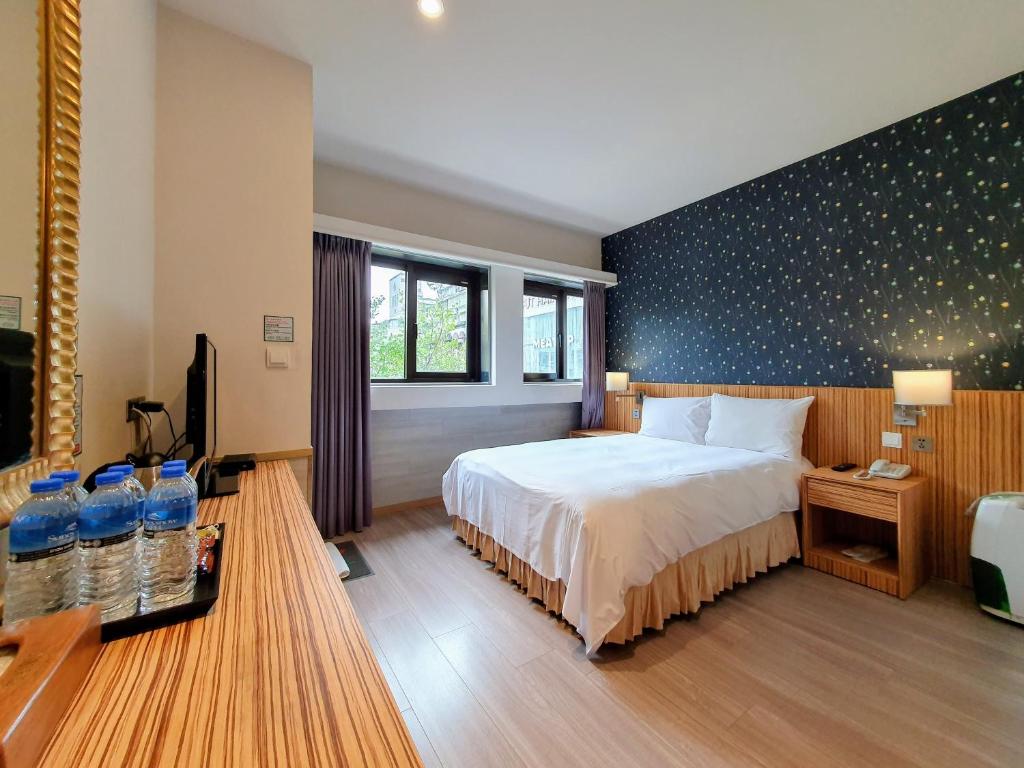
(540, 329)
(387, 323)
(441, 343)
(573, 337)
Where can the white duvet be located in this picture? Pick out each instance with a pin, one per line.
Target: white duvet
(606, 514)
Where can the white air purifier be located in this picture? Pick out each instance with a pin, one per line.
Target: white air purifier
(997, 565)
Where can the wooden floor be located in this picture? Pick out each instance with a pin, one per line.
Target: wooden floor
(796, 668)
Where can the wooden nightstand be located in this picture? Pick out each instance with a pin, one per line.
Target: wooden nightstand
(839, 511)
(595, 432)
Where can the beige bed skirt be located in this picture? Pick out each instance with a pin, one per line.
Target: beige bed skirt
(678, 588)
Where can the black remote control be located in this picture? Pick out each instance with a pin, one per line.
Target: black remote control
(845, 467)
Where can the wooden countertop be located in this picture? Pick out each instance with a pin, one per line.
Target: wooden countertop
(278, 673)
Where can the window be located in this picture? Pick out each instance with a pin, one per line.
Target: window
(552, 332)
(573, 335)
(424, 321)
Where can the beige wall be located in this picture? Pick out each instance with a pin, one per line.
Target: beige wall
(234, 196)
(116, 283)
(351, 194)
(19, 171)
(229, 124)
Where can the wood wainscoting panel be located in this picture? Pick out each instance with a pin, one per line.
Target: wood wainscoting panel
(978, 446)
(412, 448)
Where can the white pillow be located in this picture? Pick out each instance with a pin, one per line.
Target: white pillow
(768, 426)
(676, 418)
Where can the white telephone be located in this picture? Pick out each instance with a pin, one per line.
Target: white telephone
(883, 468)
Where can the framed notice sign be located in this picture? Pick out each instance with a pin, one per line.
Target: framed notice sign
(277, 328)
(10, 312)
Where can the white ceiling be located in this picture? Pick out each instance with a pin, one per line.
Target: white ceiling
(598, 114)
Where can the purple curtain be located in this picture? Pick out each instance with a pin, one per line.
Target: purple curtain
(341, 384)
(593, 356)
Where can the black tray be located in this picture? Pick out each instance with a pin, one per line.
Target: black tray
(205, 595)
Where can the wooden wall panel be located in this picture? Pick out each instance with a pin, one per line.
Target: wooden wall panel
(977, 446)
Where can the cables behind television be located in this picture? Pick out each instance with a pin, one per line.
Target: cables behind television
(174, 438)
(147, 444)
(179, 443)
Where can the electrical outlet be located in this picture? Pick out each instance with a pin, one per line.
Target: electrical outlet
(924, 444)
(636, 413)
(130, 415)
(892, 440)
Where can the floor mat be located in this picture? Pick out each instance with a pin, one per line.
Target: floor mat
(358, 567)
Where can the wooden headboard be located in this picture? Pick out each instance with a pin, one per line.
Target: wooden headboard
(978, 446)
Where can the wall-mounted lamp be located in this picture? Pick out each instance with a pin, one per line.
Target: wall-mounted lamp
(618, 382)
(914, 389)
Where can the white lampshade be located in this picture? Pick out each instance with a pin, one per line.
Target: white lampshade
(923, 387)
(616, 381)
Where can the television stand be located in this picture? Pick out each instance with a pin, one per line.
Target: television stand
(221, 485)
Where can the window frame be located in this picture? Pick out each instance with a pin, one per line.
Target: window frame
(543, 290)
(416, 271)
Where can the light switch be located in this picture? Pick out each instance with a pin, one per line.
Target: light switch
(278, 357)
(892, 440)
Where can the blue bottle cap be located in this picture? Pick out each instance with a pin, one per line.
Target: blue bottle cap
(45, 486)
(172, 470)
(67, 475)
(109, 478)
(174, 462)
(124, 469)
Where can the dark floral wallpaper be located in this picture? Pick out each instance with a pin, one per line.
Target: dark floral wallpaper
(900, 249)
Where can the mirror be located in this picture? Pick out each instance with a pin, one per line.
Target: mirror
(20, 377)
(40, 130)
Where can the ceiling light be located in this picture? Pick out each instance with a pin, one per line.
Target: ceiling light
(430, 8)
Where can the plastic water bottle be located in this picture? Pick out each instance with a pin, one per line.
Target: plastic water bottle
(42, 569)
(108, 540)
(133, 485)
(188, 478)
(72, 486)
(169, 545)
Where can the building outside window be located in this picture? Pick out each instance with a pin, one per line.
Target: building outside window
(552, 332)
(573, 336)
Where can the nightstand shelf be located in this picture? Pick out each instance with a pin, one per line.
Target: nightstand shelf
(595, 432)
(840, 512)
(829, 557)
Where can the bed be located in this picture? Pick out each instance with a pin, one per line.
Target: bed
(617, 534)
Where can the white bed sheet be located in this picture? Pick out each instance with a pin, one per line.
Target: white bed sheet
(606, 514)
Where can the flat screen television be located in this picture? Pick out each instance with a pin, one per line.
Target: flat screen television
(17, 354)
(201, 419)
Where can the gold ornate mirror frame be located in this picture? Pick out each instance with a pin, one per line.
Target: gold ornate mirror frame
(60, 113)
